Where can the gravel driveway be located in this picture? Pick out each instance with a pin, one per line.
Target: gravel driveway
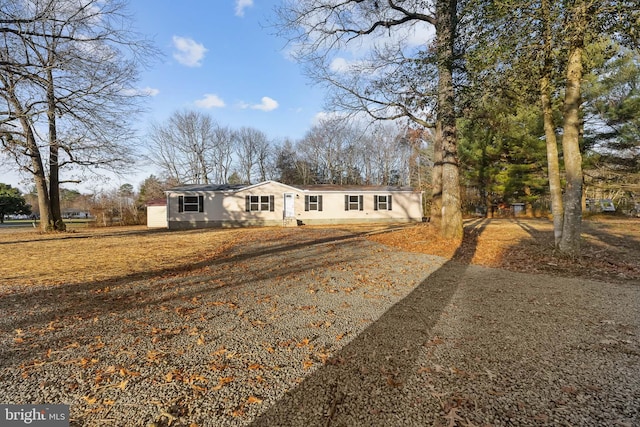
(323, 328)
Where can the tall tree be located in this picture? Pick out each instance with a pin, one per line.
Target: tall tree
(184, 146)
(384, 83)
(12, 202)
(612, 102)
(544, 42)
(252, 146)
(73, 66)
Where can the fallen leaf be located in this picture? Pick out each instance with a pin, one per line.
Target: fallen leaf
(222, 381)
(219, 352)
(253, 399)
(452, 416)
(154, 356)
(90, 400)
(391, 381)
(323, 357)
(434, 341)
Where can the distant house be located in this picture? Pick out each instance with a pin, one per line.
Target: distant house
(273, 203)
(75, 214)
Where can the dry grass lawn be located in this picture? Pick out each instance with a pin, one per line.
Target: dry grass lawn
(87, 255)
(611, 249)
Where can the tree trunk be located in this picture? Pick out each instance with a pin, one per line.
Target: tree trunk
(55, 222)
(39, 177)
(528, 208)
(436, 179)
(570, 241)
(37, 166)
(553, 164)
(451, 226)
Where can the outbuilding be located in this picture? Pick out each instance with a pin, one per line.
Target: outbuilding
(157, 213)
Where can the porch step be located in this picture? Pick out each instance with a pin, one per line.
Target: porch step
(289, 222)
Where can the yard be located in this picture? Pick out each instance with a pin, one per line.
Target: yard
(323, 326)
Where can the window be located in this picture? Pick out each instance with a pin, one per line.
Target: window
(353, 202)
(382, 203)
(259, 203)
(313, 203)
(190, 203)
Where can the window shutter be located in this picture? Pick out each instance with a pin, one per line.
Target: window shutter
(389, 206)
(180, 203)
(200, 203)
(319, 203)
(346, 202)
(375, 203)
(247, 203)
(306, 203)
(271, 203)
(361, 202)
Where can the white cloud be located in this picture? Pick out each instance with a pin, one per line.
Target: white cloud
(189, 52)
(339, 65)
(147, 91)
(241, 5)
(323, 116)
(210, 101)
(267, 104)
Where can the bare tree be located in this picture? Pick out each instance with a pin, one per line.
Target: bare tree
(251, 148)
(69, 71)
(323, 147)
(184, 146)
(222, 153)
(396, 76)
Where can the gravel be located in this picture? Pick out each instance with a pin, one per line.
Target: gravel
(321, 328)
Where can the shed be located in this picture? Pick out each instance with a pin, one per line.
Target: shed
(157, 213)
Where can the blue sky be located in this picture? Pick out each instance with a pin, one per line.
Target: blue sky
(221, 58)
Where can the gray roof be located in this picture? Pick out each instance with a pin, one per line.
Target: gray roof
(316, 188)
(337, 187)
(209, 187)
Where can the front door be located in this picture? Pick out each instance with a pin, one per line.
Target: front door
(289, 210)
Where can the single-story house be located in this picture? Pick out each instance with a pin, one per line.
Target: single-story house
(273, 203)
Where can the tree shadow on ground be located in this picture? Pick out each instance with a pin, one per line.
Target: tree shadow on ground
(364, 383)
(40, 308)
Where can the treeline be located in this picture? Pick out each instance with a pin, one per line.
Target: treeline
(190, 147)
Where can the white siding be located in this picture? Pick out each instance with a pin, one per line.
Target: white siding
(157, 216)
(228, 209)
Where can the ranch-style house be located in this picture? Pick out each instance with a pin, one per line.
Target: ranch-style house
(273, 203)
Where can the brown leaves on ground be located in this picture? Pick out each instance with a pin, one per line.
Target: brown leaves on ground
(91, 255)
(610, 247)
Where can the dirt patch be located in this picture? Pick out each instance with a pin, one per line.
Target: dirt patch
(610, 247)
